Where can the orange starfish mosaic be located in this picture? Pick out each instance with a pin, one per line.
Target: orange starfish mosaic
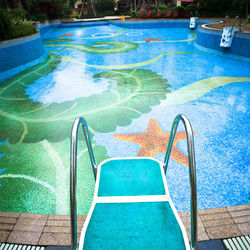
(148, 40)
(155, 141)
(67, 34)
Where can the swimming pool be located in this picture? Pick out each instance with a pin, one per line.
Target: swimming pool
(128, 83)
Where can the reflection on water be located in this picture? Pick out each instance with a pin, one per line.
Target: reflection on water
(68, 82)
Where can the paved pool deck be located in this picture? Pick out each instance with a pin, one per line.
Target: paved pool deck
(54, 230)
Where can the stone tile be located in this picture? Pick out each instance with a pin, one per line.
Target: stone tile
(66, 217)
(220, 222)
(29, 221)
(213, 211)
(49, 229)
(59, 217)
(62, 223)
(8, 220)
(34, 216)
(216, 216)
(20, 237)
(184, 214)
(29, 228)
(51, 239)
(67, 230)
(81, 217)
(9, 214)
(58, 223)
(219, 232)
(202, 235)
(4, 235)
(242, 219)
(187, 222)
(239, 207)
(4, 226)
(244, 228)
(80, 223)
(239, 213)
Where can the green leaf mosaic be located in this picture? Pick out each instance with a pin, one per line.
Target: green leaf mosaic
(99, 47)
(36, 160)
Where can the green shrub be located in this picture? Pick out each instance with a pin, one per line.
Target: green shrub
(67, 11)
(5, 24)
(20, 30)
(17, 16)
(73, 16)
(163, 9)
(181, 8)
(90, 16)
(154, 12)
(39, 17)
(13, 24)
(215, 8)
(103, 5)
(192, 8)
(106, 13)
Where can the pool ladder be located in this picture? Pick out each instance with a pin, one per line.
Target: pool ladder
(191, 162)
(231, 22)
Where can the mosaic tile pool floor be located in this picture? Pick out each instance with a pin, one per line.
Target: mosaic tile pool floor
(128, 85)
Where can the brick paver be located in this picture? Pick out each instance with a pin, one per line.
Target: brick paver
(41, 229)
(221, 232)
(22, 237)
(55, 239)
(241, 216)
(4, 235)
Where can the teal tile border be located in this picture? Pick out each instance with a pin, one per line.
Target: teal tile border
(16, 54)
(9, 73)
(19, 41)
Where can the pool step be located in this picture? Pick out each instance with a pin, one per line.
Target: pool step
(237, 243)
(6, 246)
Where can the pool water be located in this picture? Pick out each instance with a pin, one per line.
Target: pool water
(128, 84)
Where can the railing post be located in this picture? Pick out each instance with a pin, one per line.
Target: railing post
(192, 171)
(73, 174)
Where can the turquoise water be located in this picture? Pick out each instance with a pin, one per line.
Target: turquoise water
(128, 84)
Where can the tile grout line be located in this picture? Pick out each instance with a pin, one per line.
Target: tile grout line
(43, 229)
(19, 215)
(234, 221)
(202, 225)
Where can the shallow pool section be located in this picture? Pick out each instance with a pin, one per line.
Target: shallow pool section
(128, 83)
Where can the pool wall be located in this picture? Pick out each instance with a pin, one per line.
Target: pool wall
(16, 55)
(44, 28)
(157, 24)
(83, 24)
(211, 39)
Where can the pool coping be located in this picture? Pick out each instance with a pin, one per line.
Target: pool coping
(54, 230)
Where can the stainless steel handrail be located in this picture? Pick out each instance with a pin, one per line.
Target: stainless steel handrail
(73, 171)
(192, 171)
(227, 18)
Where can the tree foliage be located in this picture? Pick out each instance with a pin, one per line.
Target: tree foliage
(215, 8)
(13, 24)
(103, 5)
(41, 9)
